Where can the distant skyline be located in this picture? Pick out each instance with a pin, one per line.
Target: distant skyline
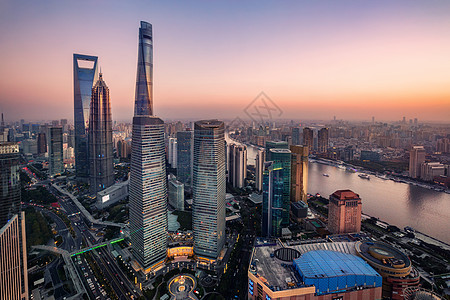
(315, 60)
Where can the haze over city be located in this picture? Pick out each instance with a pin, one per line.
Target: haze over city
(315, 60)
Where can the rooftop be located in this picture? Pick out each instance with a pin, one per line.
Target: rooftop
(276, 271)
(325, 263)
(345, 195)
(382, 254)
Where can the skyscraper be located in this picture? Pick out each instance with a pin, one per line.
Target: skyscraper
(299, 173)
(208, 208)
(84, 76)
(308, 138)
(100, 138)
(176, 193)
(185, 146)
(296, 136)
(344, 212)
(259, 168)
(13, 257)
(172, 155)
(237, 171)
(148, 183)
(55, 150)
(144, 77)
(322, 140)
(273, 206)
(416, 158)
(41, 143)
(283, 156)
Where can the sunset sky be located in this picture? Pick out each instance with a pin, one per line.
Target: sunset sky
(315, 59)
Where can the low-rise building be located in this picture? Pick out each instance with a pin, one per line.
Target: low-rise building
(111, 195)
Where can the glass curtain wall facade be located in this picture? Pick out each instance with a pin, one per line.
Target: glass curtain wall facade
(148, 191)
(100, 138)
(144, 78)
(283, 156)
(85, 74)
(209, 187)
(272, 208)
(148, 181)
(185, 145)
(13, 257)
(299, 173)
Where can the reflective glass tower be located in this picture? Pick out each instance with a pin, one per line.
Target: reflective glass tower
(13, 256)
(273, 205)
(148, 183)
(209, 183)
(144, 78)
(100, 138)
(283, 156)
(185, 141)
(84, 76)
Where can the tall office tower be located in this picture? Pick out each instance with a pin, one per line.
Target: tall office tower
(416, 159)
(275, 145)
(85, 75)
(273, 202)
(237, 171)
(344, 212)
(308, 138)
(208, 207)
(148, 191)
(144, 77)
(296, 136)
(41, 143)
(100, 138)
(172, 155)
(176, 193)
(55, 150)
(259, 168)
(71, 138)
(283, 156)
(322, 140)
(185, 146)
(299, 173)
(13, 257)
(148, 182)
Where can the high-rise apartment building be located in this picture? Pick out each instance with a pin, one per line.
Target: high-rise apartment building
(283, 156)
(273, 202)
(13, 257)
(237, 170)
(308, 138)
(322, 140)
(100, 138)
(259, 168)
(185, 146)
(85, 73)
(209, 187)
(41, 143)
(148, 182)
(416, 159)
(344, 212)
(299, 173)
(55, 150)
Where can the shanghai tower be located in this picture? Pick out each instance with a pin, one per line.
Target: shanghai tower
(148, 185)
(84, 76)
(100, 138)
(144, 77)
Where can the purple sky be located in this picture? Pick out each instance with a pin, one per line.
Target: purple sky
(355, 60)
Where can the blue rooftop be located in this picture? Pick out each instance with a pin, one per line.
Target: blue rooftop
(331, 271)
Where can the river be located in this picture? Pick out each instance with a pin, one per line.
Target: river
(396, 203)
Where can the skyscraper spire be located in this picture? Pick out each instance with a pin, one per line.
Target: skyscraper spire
(144, 79)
